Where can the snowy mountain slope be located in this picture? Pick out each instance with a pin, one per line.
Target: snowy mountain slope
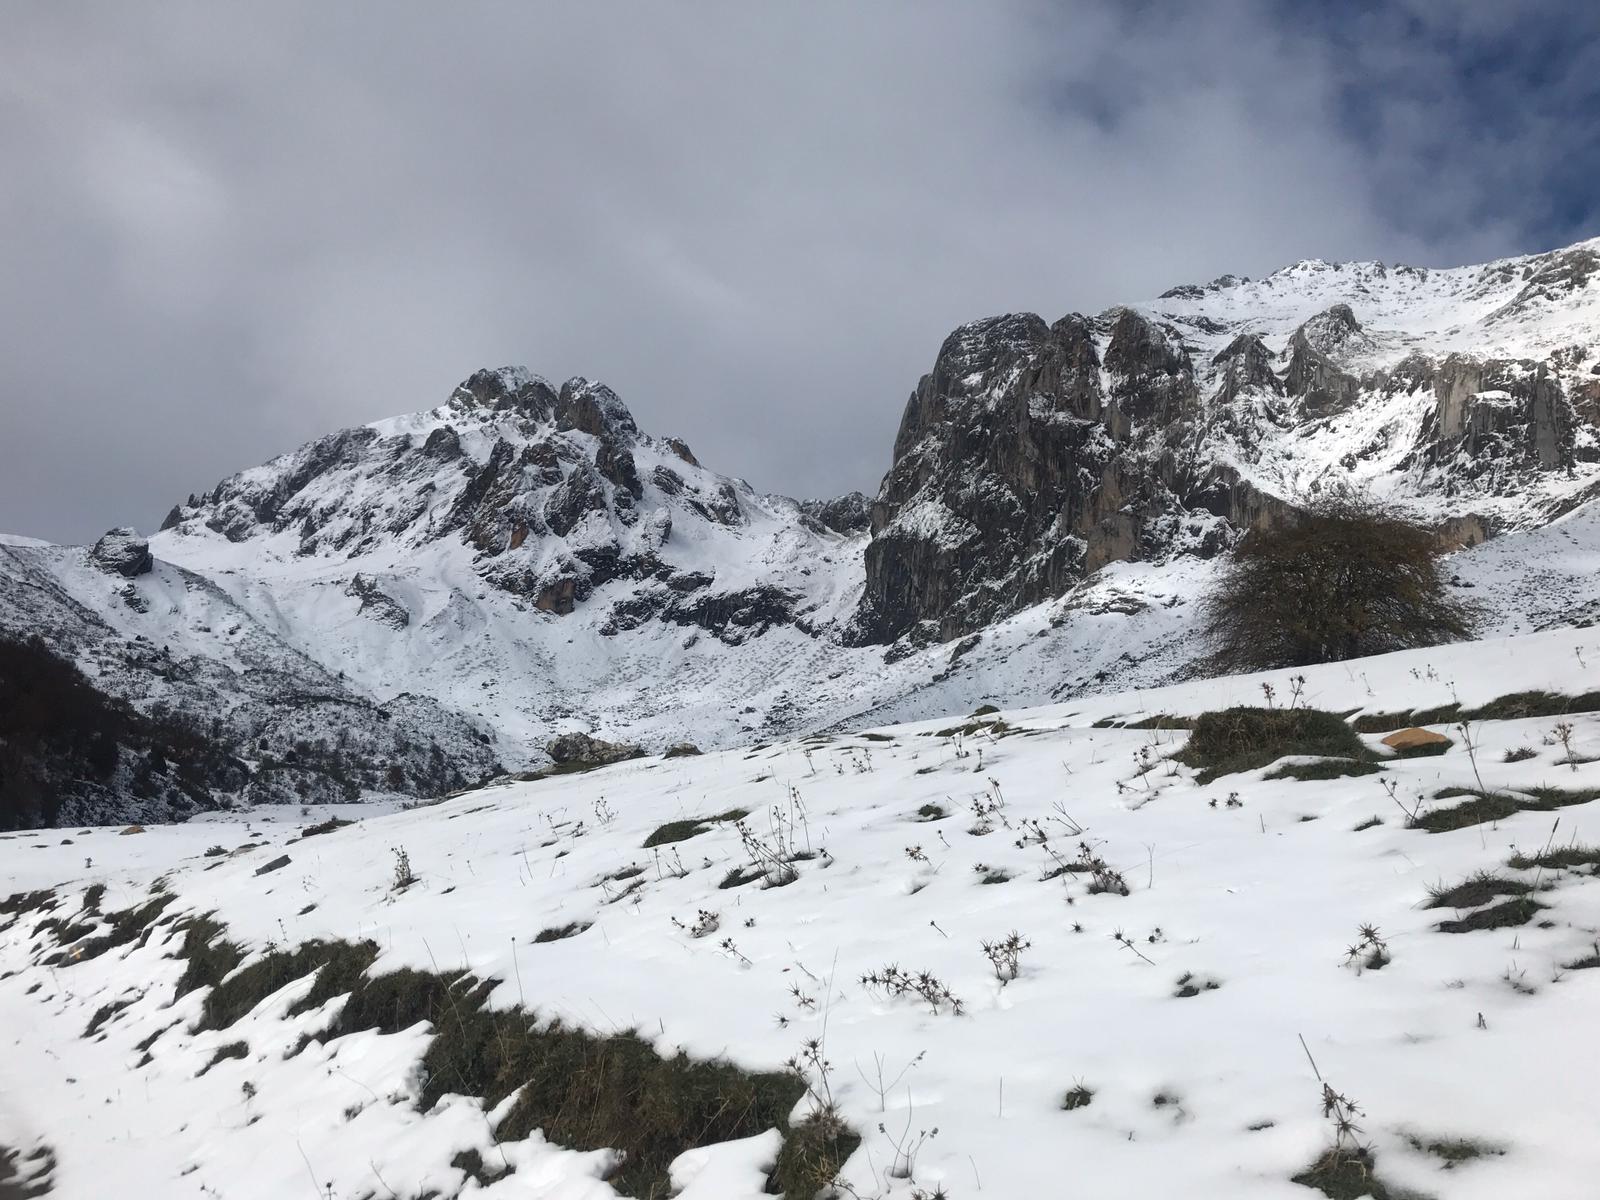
(1185, 1038)
(524, 560)
(1392, 332)
(175, 646)
(528, 555)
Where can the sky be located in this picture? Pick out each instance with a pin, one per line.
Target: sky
(229, 228)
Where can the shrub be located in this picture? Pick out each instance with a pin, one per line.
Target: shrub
(1341, 581)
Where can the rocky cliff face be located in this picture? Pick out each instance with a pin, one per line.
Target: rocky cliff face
(1033, 454)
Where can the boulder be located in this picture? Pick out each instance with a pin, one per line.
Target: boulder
(579, 749)
(122, 552)
(1413, 738)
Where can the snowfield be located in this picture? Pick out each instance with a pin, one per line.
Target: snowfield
(1178, 1008)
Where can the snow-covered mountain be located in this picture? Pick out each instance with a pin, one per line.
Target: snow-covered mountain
(456, 585)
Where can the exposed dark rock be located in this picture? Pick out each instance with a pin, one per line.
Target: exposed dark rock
(595, 409)
(668, 480)
(1498, 418)
(1152, 379)
(133, 598)
(850, 513)
(508, 389)
(443, 444)
(720, 506)
(378, 604)
(580, 493)
(1007, 484)
(1312, 376)
(1246, 364)
(579, 749)
(615, 462)
(122, 552)
(736, 617)
(681, 448)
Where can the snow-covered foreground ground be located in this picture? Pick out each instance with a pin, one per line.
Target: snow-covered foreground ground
(1243, 896)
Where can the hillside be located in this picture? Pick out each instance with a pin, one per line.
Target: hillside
(1149, 1043)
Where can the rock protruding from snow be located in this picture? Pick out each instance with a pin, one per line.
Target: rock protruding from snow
(122, 552)
(582, 750)
(378, 604)
(594, 409)
(508, 389)
(850, 513)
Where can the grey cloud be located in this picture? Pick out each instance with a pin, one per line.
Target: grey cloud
(230, 228)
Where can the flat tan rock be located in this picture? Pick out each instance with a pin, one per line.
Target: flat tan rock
(1410, 739)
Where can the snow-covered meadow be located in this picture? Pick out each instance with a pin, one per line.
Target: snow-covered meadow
(1178, 1008)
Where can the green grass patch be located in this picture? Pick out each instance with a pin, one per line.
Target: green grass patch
(1159, 721)
(1587, 963)
(1325, 768)
(1516, 706)
(1547, 798)
(1477, 890)
(1453, 1150)
(739, 876)
(339, 965)
(231, 1050)
(208, 956)
(812, 1154)
(327, 826)
(104, 1013)
(1243, 739)
(583, 1090)
(1506, 915)
(1369, 823)
(1565, 858)
(1480, 809)
(25, 902)
(126, 927)
(558, 933)
(995, 727)
(682, 831)
(1345, 1175)
(1426, 750)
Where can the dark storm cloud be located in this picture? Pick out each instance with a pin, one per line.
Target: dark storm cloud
(226, 229)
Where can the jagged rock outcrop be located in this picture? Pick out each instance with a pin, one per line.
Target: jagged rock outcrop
(580, 749)
(1313, 373)
(1017, 473)
(122, 551)
(378, 604)
(850, 513)
(1034, 454)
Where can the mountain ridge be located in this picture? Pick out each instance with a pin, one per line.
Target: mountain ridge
(527, 561)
